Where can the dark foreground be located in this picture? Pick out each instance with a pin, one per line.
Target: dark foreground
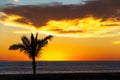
(65, 76)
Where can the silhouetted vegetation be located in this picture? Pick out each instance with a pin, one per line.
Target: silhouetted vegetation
(31, 47)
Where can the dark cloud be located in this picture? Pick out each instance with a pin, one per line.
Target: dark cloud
(70, 31)
(38, 15)
(23, 20)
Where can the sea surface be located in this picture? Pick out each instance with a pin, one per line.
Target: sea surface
(25, 67)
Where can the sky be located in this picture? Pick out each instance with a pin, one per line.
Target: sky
(83, 30)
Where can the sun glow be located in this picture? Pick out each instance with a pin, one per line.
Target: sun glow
(16, 0)
(116, 42)
(86, 27)
(16, 21)
(78, 27)
(53, 56)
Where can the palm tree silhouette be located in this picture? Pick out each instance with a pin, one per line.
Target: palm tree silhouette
(31, 47)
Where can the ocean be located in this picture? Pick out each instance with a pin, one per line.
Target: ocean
(25, 67)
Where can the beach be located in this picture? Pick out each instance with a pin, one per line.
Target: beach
(62, 76)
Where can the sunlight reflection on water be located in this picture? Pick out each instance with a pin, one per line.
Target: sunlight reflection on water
(59, 67)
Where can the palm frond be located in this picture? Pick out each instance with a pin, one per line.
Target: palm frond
(40, 46)
(32, 41)
(16, 46)
(20, 47)
(36, 37)
(26, 41)
(45, 39)
(42, 43)
(32, 38)
(49, 37)
(31, 46)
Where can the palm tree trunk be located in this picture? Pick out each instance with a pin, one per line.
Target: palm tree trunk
(34, 65)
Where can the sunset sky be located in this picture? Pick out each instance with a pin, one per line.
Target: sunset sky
(83, 30)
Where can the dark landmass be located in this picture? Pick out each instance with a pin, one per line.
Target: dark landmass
(62, 76)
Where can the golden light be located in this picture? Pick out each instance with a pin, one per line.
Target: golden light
(53, 56)
(16, 0)
(78, 27)
(11, 20)
(72, 25)
(116, 42)
(86, 27)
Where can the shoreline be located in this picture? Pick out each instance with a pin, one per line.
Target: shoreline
(62, 76)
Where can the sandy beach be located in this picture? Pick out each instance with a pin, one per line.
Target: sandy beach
(65, 76)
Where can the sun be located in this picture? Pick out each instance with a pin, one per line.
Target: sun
(16, 0)
(53, 56)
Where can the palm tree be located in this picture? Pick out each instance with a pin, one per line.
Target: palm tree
(31, 47)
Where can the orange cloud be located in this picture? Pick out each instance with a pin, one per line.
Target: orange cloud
(97, 18)
(79, 28)
(10, 20)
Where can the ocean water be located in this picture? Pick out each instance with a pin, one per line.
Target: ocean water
(7, 67)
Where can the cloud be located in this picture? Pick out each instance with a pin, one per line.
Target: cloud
(96, 18)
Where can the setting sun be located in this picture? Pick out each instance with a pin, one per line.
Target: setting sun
(80, 31)
(59, 39)
(53, 56)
